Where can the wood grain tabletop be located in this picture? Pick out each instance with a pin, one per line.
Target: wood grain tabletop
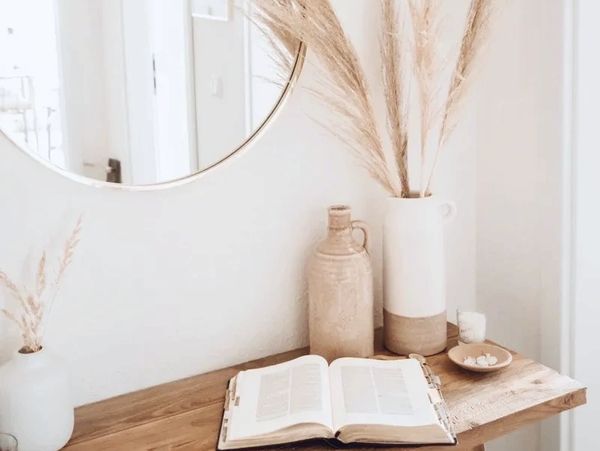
(186, 414)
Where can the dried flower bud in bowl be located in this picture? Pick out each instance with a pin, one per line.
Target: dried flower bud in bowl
(480, 357)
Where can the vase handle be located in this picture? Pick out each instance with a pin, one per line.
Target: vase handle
(365, 230)
(448, 210)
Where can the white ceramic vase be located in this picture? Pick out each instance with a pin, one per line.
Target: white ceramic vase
(35, 401)
(414, 275)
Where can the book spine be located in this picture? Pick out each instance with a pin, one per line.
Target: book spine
(229, 399)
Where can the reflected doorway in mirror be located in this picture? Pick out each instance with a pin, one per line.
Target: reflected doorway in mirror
(145, 82)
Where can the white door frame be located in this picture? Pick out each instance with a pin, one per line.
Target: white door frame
(584, 266)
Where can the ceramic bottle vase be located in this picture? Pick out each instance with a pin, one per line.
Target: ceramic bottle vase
(35, 401)
(340, 289)
(414, 275)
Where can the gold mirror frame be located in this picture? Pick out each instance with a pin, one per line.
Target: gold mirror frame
(295, 74)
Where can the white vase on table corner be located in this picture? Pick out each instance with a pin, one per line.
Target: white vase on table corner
(35, 401)
(414, 274)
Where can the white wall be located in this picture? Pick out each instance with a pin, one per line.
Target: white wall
(519, 190)
(176, 282)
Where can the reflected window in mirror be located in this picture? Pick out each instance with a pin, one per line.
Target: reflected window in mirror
(30, 92)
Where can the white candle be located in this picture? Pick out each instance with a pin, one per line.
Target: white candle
(471, 327)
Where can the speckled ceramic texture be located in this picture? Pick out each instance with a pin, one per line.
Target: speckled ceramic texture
(340, 289)
(425, 336)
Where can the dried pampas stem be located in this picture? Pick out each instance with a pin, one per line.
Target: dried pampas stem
(10, 286)
(473, 39)
(344, 88)
(41, 276)
(282, 42)
(30, 314)
(394, 89)
(33, 310)
(425, 23)
(68, 251)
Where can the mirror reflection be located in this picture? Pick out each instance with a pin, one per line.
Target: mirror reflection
(136, 92)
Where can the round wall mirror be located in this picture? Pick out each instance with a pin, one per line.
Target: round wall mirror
(138, 92)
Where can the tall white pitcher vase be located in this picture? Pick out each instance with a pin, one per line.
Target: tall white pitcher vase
(35, 401)
(414, 309)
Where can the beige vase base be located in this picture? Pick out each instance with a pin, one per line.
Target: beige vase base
(426, 336)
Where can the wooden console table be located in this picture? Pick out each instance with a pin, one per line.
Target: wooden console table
(186, 414)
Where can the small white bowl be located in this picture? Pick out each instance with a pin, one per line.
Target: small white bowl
(460, 352)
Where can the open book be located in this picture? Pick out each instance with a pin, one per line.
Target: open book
(350, 401)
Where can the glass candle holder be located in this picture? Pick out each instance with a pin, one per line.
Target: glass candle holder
(471, 327)
(8, 442)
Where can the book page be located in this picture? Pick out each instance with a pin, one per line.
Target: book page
(385, 392)
(279, 396)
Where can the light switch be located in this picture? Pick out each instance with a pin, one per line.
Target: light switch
(216, 86)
